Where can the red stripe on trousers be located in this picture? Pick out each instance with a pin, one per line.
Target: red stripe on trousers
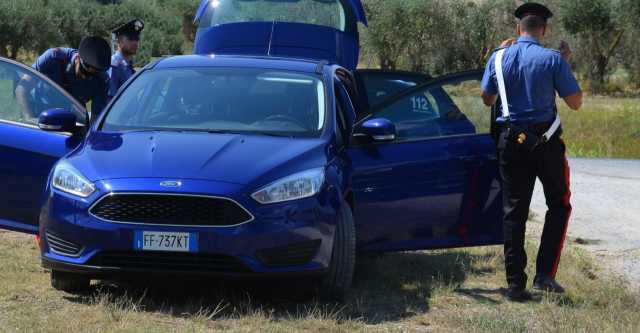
(565, 201)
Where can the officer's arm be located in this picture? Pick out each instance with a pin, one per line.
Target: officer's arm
(488, 98)
(488, 84)
(574, 101)
(567, 85)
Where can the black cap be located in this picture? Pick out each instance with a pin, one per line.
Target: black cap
(95, 52)
(130, 29)
(532, 8)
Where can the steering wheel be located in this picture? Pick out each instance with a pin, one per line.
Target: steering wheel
(285, 117)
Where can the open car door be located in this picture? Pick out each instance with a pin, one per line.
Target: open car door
(28, 153)
(435, 185)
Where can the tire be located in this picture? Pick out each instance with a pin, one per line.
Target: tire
(337, 283)
(69, 282)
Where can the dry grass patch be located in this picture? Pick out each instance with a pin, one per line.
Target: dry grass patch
(453, 290)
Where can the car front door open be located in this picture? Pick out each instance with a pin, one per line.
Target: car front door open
(28, 153)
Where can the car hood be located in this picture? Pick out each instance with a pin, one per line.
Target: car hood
(232, 158)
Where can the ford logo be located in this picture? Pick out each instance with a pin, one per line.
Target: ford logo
(171, 183)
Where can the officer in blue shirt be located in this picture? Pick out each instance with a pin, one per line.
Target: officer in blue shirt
(81, 72)
(529, 143)
(128, 39)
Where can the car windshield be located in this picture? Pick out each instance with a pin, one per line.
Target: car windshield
(329, 13)
(233, 100)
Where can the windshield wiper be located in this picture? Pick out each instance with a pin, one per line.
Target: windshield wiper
(276, 135)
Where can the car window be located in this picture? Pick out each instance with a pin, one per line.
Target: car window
(242, 100)
(451, 107)
(329, 13)
(379, 85)
(24, 95)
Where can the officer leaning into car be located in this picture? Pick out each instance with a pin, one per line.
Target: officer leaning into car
(81, 72)
(527, 76)
(127, 37)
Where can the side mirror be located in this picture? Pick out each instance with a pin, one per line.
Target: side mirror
(57, 120)
(379, 130)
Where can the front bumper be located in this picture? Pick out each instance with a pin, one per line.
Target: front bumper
(275, 229)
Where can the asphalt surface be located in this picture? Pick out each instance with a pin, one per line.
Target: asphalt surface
(606, 212)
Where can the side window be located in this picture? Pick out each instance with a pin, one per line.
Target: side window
(345, 110)
(23, 96)
(380, 85)
(447, 108)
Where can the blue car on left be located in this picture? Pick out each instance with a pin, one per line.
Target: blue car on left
(260, 157)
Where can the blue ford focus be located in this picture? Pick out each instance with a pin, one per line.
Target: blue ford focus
(265, 154)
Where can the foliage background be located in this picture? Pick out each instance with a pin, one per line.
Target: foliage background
(434, 36)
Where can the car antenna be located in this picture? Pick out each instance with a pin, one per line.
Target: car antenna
(273, 26)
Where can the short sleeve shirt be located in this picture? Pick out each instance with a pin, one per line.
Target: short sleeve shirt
(532, 74)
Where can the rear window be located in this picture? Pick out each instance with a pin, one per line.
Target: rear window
(329, 13)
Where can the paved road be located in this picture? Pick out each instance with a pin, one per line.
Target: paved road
(606, 211)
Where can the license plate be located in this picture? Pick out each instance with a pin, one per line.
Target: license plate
(166, 241)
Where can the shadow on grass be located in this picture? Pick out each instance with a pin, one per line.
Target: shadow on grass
(388, 288)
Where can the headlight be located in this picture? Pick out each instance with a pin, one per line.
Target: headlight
(300, 185)
(67, 179)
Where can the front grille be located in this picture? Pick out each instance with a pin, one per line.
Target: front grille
(166, 261)
(170, 210)
(296, 254)
(60, 246)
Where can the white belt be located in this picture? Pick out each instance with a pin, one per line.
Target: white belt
(505, 104)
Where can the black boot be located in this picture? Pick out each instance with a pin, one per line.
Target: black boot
(546, 283)
(517, 294)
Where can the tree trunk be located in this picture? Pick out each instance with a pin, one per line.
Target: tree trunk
(386, 63)
(601, 69)
(14, 51)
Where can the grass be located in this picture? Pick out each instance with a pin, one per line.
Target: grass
(604, 127)
(450, 290)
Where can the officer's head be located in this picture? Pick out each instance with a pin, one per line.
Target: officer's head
(94, 56)
(128, 36)
(532, 19)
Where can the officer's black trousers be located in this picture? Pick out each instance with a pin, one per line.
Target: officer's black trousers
(518, 170)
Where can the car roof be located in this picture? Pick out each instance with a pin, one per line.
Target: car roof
(242, 61)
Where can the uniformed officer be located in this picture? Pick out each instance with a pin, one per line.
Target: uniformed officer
(527, 76)
(81, 72)
(128, 39)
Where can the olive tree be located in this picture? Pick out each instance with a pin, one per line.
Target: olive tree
(597, 26)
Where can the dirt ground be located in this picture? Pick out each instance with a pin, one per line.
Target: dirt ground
(606, 212)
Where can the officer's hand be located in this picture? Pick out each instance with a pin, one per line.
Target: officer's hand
(508, 42)
(565, 51)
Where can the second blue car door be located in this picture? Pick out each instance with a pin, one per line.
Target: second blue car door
(436, 185)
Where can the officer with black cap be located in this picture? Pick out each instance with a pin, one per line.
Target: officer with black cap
(81, 72)
(127, 37)
(527, 77)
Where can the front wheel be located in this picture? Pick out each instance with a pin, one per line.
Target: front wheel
(336, 284)
(69, 282)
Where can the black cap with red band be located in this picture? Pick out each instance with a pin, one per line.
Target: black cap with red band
(535, 9)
